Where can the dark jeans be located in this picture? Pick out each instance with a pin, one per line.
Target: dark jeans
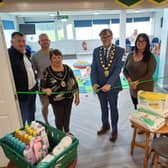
(28, 109)
(135, 101)
(62, 112)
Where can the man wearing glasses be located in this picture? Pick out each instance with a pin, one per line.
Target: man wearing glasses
(105, 77)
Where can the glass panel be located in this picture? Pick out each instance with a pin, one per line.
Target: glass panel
(96, 29)
(47, 28)
(60, 30)
(83, 33)
(115, 29)
(69, 30)
(142, 27)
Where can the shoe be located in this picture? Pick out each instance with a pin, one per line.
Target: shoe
(102, 131)
(113, 136)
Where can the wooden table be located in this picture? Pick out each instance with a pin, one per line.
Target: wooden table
(146, 146)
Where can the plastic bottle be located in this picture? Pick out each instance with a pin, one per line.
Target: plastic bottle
(44, 138)
(33, 125)
(26, 140)
(44, 151)
(17, 133)
(21, 134)
(37, 148)
(57, 150)
(28, 154)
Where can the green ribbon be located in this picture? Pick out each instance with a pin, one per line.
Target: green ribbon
(97, 90)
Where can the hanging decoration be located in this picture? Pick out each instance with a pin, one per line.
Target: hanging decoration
(129, 4)
(159, 2)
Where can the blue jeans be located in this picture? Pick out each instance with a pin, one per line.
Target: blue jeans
(28, 109)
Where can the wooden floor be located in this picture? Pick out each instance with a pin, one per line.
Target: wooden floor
(97, 151)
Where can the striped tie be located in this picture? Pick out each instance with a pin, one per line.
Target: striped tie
(105, 56)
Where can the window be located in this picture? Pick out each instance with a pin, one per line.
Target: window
(98, 25)
(83, 29)
(60, 32)
(143, 25)
(44, 27)
(83, 33)
(96, 29)
(47, 28)
(9, 28)
(115, 28)
(69, 30)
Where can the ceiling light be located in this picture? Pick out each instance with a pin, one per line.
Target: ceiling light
(96, 13)
(52, 14)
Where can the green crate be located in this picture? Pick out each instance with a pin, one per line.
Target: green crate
(60, 161)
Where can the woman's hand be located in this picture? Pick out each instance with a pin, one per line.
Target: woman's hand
(129, 79)
(134, 84)
(48, 91)
(77, 99)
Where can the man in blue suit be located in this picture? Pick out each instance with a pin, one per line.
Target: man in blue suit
(105, 76)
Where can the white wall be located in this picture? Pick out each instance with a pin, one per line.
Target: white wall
(163, 70)
(157, 24)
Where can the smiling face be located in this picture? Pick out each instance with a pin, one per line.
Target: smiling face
(56, 59)
(44, 41)
(141, 43)
(18, 42)
(106, 37)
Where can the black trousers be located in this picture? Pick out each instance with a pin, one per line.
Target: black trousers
(62, 112)
(135, 101)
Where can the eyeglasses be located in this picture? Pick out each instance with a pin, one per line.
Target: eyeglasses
(141, 41)
(105, 37)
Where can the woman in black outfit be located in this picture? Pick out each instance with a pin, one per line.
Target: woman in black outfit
(60, 85)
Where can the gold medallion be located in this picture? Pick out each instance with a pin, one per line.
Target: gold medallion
(107, 66)
(62, 80)
(106, 73)
(63, 84)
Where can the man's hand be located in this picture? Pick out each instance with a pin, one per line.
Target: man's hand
(95, 87)
(106, 88)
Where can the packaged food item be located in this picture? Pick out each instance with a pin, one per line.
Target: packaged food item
(153, 101)
(147, 119)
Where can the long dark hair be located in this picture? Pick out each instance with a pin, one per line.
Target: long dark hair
(147, 52)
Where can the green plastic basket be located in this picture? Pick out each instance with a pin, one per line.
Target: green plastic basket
(62, 160)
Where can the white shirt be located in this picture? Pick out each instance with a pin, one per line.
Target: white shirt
(133, 39)
(30, 73)
(108, 50)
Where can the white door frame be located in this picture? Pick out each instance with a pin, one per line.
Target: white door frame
(10, 117)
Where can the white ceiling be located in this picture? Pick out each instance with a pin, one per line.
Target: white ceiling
(70, 5)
